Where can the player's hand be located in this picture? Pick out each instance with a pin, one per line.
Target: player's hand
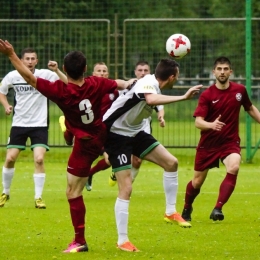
(6, 48)
(131, 83)
(161, 121)
(53, 65)
(8, 110)
(193, 91)
(217, 125)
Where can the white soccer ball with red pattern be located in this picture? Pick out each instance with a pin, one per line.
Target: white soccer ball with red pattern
(178, 45)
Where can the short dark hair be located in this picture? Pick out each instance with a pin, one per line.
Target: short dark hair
(27, 50)
(74, 64)
(165, 68)
(142, 63)
(222, 60)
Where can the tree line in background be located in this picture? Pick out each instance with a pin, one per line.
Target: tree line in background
(220, 36)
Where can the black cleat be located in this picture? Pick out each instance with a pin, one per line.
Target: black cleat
(216, 214)
(89, 183)
(186, 214)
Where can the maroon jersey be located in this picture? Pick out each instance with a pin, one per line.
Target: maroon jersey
(107, 101)
(81, 105)
(227, 103)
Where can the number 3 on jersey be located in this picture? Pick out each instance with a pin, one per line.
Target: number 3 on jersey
(86, 106)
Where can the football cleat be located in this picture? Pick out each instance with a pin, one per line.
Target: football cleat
(62, 123)
(39, 204)
(3, 199)
(177, 218)
(186, 214)
(75, 247)
(89, 183)
(128, 246)
(112, 179)
(216, 214)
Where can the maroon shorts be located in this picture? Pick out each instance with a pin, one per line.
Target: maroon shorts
(209, 158)
(84, 152)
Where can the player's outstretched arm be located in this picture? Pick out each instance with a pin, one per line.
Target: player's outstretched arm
(158, 99)
(123, 84)
(193, 91)
(7, 49)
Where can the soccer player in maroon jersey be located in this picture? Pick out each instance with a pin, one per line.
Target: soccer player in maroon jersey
(100, 70)
(217, 116)
(80, 102)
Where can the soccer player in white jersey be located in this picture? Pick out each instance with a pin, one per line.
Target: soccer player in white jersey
(142, 68)
(30, 120)
(126, 136)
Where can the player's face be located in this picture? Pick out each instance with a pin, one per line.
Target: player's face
(30, 60)
(171, 81)
(141, 71)
(100, 71)
(222, 73)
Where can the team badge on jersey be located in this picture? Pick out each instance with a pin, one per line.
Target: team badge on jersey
(238, 96)
(112, 96)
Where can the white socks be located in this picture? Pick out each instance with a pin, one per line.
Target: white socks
(7, 176)
(170, 184)
(39, 179)
(121, 212)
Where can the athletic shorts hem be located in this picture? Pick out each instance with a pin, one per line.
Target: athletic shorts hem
(125, 167)
(20, 147)
(40, 145)
(149, 149)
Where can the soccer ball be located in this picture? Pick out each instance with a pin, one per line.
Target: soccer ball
(178, 45)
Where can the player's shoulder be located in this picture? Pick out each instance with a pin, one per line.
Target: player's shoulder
(12, 76)
(96, 80)
(13, 73)
(146, 81)
(43, 72)
(236, 85)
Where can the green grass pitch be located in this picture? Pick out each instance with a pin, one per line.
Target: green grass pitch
(29, 233)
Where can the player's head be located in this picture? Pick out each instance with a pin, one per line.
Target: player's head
(29, 58)
(142, 68)
(222, 69)
(167, 72)
(100, 70)
(74, 64)
(222, 60)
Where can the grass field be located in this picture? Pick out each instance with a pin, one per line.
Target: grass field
(28, 233)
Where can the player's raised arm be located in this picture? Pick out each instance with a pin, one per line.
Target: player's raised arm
(158, 99)
(53, 65)
(7, 49)
(123, 84)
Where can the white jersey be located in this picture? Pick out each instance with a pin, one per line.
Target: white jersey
(129, 113)
(30, 106)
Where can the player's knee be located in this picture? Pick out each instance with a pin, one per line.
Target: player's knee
(234, 168)
(136, 163)
(171, 165)
(197, 183)
(198, 180)
(10, 160)
(38, 160)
